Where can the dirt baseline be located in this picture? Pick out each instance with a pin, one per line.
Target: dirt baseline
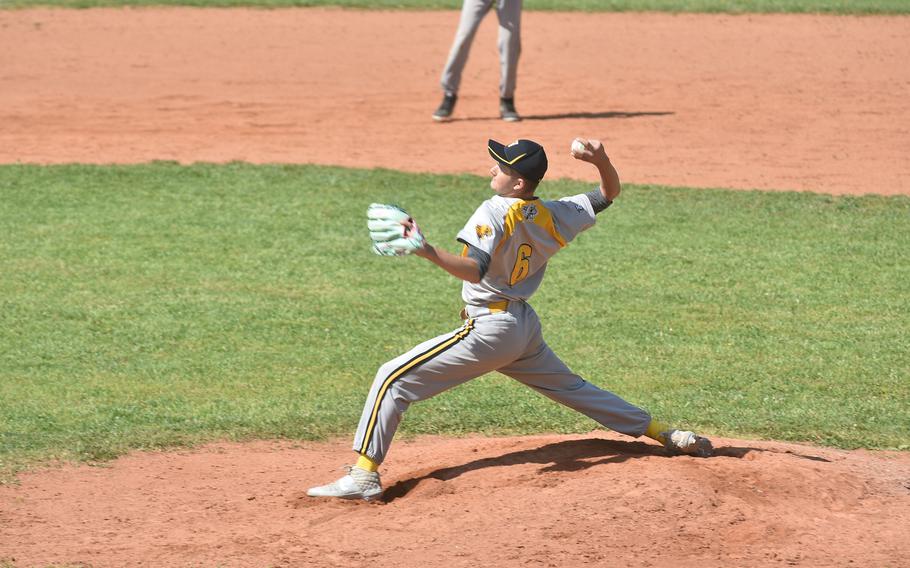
(768, 102)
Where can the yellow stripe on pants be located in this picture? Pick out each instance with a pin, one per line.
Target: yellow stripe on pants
(410, 365)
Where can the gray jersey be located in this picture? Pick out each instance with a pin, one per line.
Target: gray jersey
(520, 237)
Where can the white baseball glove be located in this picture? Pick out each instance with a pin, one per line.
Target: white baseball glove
(393, 231)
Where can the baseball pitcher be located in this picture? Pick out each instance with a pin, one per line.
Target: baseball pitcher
(506, 245)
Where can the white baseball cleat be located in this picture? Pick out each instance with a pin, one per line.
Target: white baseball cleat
(357, 484)
(685, 442)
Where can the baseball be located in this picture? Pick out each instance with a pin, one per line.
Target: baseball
(577, 148)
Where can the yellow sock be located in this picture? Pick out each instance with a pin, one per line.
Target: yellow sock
(655, 429)
(366, 463)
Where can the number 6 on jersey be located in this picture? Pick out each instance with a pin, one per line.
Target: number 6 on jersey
(522, 264)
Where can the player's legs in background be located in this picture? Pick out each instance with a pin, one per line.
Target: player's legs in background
(509, 13)
(472, 13)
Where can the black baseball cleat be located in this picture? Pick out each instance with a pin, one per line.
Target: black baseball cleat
(507, 110)
(444, 112)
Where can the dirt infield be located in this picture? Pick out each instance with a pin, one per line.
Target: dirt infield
(769, 102)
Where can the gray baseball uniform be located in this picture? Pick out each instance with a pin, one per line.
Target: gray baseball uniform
(472, 13)
(501, 331)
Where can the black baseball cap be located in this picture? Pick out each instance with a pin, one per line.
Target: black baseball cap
(524, 156)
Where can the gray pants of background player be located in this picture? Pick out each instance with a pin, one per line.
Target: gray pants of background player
(472, 12)
(510, 342)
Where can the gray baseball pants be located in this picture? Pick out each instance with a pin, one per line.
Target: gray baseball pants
(472, 12)
(510, 342)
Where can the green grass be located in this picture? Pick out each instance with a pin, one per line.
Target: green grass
(157, 305)
(710, 6)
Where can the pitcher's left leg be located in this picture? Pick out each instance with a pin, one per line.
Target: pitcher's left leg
(545, 372)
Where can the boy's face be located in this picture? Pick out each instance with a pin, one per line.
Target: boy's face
(505, 182)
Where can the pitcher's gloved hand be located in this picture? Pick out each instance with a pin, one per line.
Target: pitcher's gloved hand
(393, 231)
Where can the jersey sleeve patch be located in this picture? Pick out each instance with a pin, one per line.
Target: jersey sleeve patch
(484, 231)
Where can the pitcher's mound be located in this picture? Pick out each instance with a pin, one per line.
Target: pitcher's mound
(597, 499)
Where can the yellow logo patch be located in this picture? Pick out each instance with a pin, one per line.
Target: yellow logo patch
(484, 231)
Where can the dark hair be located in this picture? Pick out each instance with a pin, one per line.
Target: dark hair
(530, 183)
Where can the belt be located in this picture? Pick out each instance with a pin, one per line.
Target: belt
(491, 308)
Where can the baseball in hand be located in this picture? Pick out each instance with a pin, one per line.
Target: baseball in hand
(578, 148)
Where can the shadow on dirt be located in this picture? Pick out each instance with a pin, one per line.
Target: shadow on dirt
(613, 114)
(570, 115)
(737, 452)
(571, 455)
